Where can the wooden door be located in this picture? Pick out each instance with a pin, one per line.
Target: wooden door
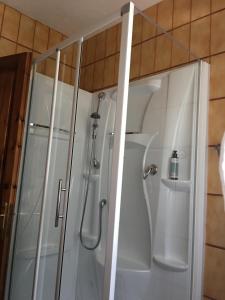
(14, 84)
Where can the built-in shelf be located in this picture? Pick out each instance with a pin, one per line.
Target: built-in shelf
(138, 138)
(177, 185)
(170, 264)
(124, 263)
(93, 177)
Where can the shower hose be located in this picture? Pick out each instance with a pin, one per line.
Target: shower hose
(102, 203)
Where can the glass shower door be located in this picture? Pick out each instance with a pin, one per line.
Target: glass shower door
(57, 193)
(41, 253)
(39, 238)
(31, 186)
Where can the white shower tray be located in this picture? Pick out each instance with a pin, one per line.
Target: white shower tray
(170, 263)
(177, 185)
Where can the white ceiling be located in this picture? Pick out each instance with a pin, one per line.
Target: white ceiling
(73, 16)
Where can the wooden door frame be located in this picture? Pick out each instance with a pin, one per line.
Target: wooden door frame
(20, 64)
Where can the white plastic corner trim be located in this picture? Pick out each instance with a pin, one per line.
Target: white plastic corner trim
(222, 166)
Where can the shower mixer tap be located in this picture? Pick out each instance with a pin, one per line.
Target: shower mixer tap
(150, 170)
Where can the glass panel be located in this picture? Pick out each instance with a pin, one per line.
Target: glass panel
(87, 219)
(49, 273)
(155, 252)
(52, 243)
(31, 191)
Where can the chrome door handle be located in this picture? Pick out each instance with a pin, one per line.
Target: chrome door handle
(3, 223)
(3, 215)
(58, 205)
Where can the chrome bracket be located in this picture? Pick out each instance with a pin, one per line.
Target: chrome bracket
(125, 9)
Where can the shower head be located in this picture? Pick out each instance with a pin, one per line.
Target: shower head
(95, 115)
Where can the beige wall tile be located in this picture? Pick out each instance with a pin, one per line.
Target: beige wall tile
(21, 49)
(75, 51)
(137, 29)
(65, 73)
(218, 32)
(98, 75)
(72, 78)
(200, 37)
(216, 121)
(41, 66)
(214, 273)
(26, 31)
(111, 40)
(148, 29)
(180, 55)
(2, 8)
(163, 53)
(218, 4)
(66, 56)
(217, 86)
(7, 47)
(118, 39)
(88, 80)
(147, 57)
(109, 71)
(35, 54)
(214, 185)
(182, 12)
(207, 59)
(135, 61)
(41, 37)
(200, 8)
(165, 14)
(117, 68)
(100, 45)
(50, 67)
(90, 50)
(82, 78)
(215, 221)
(55, 37)
(10, 26)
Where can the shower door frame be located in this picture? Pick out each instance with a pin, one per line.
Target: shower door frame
(127, 13)
(200, 191)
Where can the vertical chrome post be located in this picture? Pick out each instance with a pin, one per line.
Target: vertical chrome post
(68, 172)
(118, 152)
(46, 179)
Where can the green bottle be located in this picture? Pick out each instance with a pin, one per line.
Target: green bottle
(174, 166)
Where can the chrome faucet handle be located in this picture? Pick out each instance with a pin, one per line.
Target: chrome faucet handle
(150, 170)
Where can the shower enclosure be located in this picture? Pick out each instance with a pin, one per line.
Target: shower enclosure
(98, 216)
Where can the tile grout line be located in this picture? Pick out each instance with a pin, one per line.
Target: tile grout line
(215, 246)
(3, 14)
